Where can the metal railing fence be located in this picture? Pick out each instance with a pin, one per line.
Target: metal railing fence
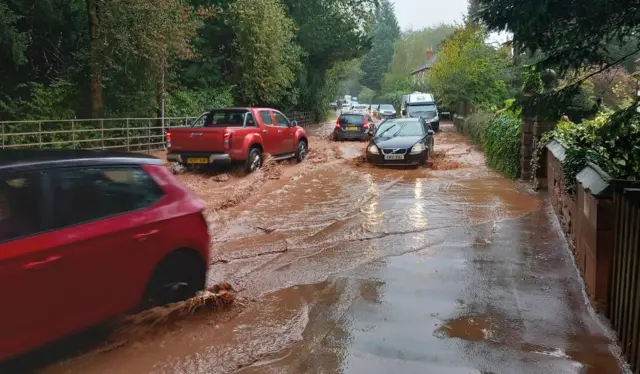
(127, 134)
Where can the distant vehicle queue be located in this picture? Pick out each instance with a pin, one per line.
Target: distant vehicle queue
(414, 105)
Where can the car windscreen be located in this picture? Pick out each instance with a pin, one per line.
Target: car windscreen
(392, 129)
(422, 110)
(387, 107)
(351, 119)
(225, 118)
(360, 106)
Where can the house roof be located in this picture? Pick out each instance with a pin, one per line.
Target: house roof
(426, 66)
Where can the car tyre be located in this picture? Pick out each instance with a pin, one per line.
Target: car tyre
(254, 160)
(178, 277)
(301, 153)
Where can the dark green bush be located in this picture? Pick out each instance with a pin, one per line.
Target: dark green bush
(502, 144)
(474, 127)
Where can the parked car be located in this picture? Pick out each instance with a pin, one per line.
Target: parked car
(362, 108)
(353, 125)
(237, 135)
(333, 105)
(401, 142)
(89, 235)
(387, 111)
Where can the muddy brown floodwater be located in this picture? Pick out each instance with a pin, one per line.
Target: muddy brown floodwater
(342, 267)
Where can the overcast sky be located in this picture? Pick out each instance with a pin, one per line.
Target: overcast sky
(416, 14)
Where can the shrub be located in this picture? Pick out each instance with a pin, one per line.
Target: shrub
(502, 144)
(475, 126)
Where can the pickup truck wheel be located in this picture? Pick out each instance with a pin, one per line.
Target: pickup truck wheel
(301, 154)
(254, 160)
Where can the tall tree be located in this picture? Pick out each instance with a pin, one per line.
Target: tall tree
(267, 59)
(572, 34)
(383, 35)
(467, 69)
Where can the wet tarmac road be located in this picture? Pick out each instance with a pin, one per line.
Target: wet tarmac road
(350, 269)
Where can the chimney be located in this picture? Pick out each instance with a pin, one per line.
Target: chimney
(429, 53)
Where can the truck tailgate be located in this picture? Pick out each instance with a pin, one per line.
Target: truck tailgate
(197, 139)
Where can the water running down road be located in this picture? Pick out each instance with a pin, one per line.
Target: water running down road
(345, 268)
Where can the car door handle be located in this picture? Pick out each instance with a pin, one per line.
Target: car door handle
(39, 264)
(265, 131)
(279, 130)
(145, 235)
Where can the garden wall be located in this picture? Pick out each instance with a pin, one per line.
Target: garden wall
(588, 220)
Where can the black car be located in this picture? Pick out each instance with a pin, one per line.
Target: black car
(353, 125)
(401, 142)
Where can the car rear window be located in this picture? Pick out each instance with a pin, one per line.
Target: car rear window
(226, 118)
(351, 119)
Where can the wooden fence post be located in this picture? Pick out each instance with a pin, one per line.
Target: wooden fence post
(102, 133)
(149, 134)
(40, 135)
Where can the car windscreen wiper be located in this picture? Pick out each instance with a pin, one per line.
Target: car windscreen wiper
(399, 130)
(385, 130)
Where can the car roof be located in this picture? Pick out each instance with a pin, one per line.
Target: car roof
(353, 112)
(48, 158)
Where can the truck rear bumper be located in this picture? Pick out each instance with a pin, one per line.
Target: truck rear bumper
(199, 158)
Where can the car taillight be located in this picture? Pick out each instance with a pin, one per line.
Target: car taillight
(167, 138)
(227, 141)
(365, 126)
(337, 126)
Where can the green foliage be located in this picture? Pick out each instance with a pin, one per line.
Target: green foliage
(188, 103)
(409, 52)
(474, 127)
(532, 81)
(289, 54)
(384, 34)
(267, 60)
(467, 69)
(568, 32)
(502, 144)
(13, 42)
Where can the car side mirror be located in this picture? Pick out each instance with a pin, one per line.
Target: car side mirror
(294, 123)
(431, 132)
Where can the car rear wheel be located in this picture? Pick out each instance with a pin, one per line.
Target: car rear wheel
(301, 153)
(178, 277)
(254, 160)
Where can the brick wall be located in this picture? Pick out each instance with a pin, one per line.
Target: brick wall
(563, 204)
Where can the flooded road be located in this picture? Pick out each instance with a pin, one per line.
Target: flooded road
(345, 268)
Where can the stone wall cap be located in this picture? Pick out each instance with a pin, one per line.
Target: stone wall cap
(595, 180)
(557, 148)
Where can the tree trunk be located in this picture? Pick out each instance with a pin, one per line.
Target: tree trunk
(95, 86)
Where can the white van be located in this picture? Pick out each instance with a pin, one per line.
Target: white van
(418, 104)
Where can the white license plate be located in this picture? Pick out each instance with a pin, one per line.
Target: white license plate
(394, 157)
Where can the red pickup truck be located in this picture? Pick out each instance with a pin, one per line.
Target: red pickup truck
(224, 136)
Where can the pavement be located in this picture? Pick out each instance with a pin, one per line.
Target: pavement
(344, 268)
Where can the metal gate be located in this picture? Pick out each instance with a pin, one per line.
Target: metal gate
(624, 289)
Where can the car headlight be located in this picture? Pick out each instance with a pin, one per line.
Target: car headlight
(418, 148)
(373, 149)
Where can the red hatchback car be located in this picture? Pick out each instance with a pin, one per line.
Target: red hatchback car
(88, 235)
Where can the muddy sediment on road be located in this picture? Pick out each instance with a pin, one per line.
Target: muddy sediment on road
(337, 261)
